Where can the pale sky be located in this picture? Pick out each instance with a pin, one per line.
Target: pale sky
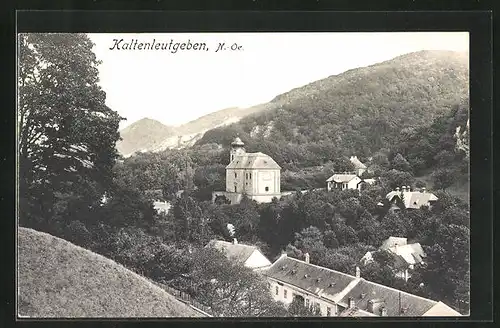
(175, 88)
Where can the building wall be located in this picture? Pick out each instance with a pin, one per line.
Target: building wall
(253, 181)
(269, 179)
(292, 290)
(353, 184)
(257, 260)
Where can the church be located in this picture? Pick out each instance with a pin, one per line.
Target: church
(255, 175)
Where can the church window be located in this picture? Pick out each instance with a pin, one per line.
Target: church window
(250, 175)
(277, 290)
(235, 190)
(267, 188)
(235, 175)
(307, 302)
(328, 311)
(284, 293)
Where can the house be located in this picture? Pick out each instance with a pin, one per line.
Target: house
(359, 167)
(343, 181)
(406, 256)
(408, 199)
(255, 175)
(338, 294)
(250, 256)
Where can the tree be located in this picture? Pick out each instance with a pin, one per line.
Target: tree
(400, 163)
(229, 288)
(443, 178)
(67, 134)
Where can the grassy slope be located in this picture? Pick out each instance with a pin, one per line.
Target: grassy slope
(59, 279)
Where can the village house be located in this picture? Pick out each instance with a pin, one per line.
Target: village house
(250, 256)
(335, 293)
(255, 175)
(409, 199)
(350, 180)
(406, 256)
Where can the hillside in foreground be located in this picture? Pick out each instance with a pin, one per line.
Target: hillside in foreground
(59, 279)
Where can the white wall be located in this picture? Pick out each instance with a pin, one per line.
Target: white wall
(353, 184)
(291, 290)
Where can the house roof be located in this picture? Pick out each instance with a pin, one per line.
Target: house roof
(342, 178)
(355, 312)
(305, 276)
(412, 253)
(312, 278)
(413, 199)
(253, 161)
(357, 163)
(392, 241)
(365, 291)
(234, 251)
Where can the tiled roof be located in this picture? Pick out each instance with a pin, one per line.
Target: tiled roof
(412, 253)
(310, 277)
(305, 276)
(253, 161)
(355, 312)
(413, 199)
(341, 178)
(365, 291)
(234, 251)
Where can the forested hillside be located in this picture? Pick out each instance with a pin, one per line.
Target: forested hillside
(356, 112)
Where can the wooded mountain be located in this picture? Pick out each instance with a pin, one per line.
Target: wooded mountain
(151, 135)
(359, 111)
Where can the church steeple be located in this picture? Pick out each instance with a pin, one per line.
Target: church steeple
(237, 148)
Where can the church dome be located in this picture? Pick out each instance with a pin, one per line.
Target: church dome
(237, 142)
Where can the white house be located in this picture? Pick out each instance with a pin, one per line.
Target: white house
(338, 294)
(343, 181)
(409, 199)
(250, 256)
(255, 175)
(406, 256)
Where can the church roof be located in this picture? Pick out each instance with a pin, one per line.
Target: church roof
(392, 241)
(253, 161)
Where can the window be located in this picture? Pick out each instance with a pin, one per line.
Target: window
(235, 189)
(250, 175)
(284, 293)
(267, 188)
(246, 175)
(328, 311)
(277, 290)
(235, 175)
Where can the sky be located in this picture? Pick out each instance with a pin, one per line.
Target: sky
(175, 88)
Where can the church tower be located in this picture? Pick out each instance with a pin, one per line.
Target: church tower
(237, 148)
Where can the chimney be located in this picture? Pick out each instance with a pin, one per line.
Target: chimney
(383, 312)
(235, 241)
(358, 272)
(423, 189)
(306, 255)
(396, 248)
(351, 302)
(403, 188)
(397, 188)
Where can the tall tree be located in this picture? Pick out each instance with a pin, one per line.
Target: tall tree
(66, 133)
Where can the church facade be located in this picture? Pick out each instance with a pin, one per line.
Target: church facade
(255, 175)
